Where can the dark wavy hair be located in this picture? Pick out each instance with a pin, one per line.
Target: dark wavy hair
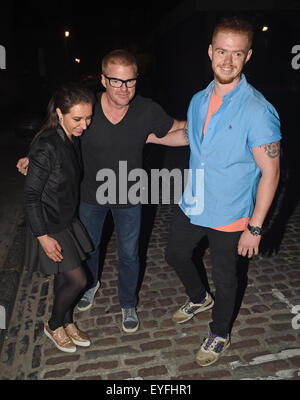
(64, 98)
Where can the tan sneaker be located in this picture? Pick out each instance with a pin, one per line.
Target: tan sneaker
(189, 309)
(60, 338)
(77, 336)
(212, 348)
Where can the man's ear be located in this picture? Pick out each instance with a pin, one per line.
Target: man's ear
(103, 80)
(248, 56)
(210, 51)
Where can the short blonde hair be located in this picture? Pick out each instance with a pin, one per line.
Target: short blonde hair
(119, 57)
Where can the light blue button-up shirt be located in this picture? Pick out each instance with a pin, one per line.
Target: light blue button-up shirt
(223, 175)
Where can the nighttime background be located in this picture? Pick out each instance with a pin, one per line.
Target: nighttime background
(170, 40)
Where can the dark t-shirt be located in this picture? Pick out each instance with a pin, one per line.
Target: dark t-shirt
(104, 145)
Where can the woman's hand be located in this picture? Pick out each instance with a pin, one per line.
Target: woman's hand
(51, 247)
(22, 165)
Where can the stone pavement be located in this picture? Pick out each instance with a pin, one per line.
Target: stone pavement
(11, 215)
(265, 336)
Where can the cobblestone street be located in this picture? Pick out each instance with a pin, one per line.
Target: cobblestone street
(265, 339)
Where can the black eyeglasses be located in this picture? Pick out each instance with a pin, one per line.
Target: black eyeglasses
(117, 83)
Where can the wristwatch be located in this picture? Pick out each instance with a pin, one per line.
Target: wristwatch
(255, 230)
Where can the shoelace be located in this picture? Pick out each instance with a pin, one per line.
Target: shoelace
(89, 295)
(129, 314)
(190, 306)
(213, 344)
(187, 306)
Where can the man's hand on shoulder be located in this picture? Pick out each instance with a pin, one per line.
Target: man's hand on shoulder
(22, 165)
(177, 136)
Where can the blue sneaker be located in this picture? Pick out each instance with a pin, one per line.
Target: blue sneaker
(87, 299)
(130, 321)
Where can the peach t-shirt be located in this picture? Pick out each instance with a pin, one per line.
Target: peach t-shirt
(241, 224)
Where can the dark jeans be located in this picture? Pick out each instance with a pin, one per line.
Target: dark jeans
(183, 238)
(127, 224)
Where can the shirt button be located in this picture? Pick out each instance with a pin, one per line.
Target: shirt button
(202, 164)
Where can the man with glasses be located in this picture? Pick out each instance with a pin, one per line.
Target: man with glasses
(120, 126)
(119, 130)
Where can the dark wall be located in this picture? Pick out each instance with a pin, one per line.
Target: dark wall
(7, 81)
(182, 65)
(183, 68)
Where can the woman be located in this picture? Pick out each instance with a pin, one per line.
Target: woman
(56, 241)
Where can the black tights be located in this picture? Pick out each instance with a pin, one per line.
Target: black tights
(67, 288)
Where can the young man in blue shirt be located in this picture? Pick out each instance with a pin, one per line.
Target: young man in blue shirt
(234, 138)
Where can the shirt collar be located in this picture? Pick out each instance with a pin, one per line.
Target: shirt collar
(242, 84)
(63, 134)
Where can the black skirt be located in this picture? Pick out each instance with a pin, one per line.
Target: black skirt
(74, 241)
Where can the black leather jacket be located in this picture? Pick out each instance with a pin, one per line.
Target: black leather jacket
(51, 190)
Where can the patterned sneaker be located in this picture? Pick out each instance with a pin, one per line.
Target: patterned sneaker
(60, 338)
(211, 349)
(130, 321)
(86, 302)
(189, 309)
(77, 336)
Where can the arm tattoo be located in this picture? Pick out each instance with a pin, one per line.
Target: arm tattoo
(186, 135)
(272, 149)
